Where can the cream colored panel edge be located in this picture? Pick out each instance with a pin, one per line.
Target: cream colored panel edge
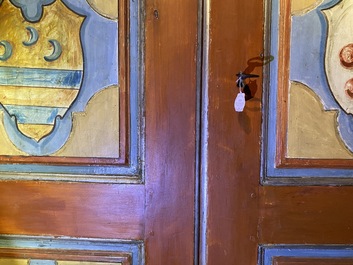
(6, 261)
(95, 132)
(301, 7)
(312, 131)
(105, 8)
(85, 263)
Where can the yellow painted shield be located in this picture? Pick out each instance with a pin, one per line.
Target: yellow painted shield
(41, 63)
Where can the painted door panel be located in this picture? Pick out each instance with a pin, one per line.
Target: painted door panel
(110, 192)
(249, 220)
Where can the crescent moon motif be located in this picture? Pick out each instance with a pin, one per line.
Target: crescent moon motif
(56, 53)
(33, 37)
(8, 50)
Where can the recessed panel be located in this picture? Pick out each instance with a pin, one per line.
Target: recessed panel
(14, 261)
(306, 255)
(308, 125)
(69, 89)
(48, 251)
(312, 261)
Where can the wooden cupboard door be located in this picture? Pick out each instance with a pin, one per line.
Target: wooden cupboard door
(279, 174)
(98, 129)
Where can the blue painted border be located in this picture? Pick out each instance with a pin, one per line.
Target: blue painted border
(270, 175)
(53, 78)
(131, 173)
(35, 114)
(134, 248)
(268, 253)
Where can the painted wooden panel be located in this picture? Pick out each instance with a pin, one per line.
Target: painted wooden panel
(308, 121)
(59, 262)
(312, 261)
(305, 255)
(68, 105)
(49, 251)
(310, 215)
(9, 261)
(230, 140)
(13, 261)
(109, 9)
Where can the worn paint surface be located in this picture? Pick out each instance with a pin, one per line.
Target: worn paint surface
(338, 55)
(106, 131)
(9, 261)
(47, 54)
(109, 125)
(14, 261)
(301, 254)
(88, 127)
(324, 32)
(46, 65)
(105, 8)
(86, 263)
(300, 7)
(306, 136)
(311, 42)
(33, 250)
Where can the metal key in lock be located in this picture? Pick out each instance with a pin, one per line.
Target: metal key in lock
(239, 102)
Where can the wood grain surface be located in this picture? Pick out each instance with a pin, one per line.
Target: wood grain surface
(311, 261)
(233, 154)
(171, 46)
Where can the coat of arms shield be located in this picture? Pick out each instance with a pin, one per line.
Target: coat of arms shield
(41, 63)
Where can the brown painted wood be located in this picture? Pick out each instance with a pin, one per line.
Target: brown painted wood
(236, 42)
(75, 210)
(241, 213)
(315, 163)
(283, 80)
(306, 215)
(67, 255)
(124, 80)
(311, 261)
(171, 34)
(160, 211)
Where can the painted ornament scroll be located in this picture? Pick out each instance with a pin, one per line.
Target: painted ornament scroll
(60, 83)
(311, 91)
